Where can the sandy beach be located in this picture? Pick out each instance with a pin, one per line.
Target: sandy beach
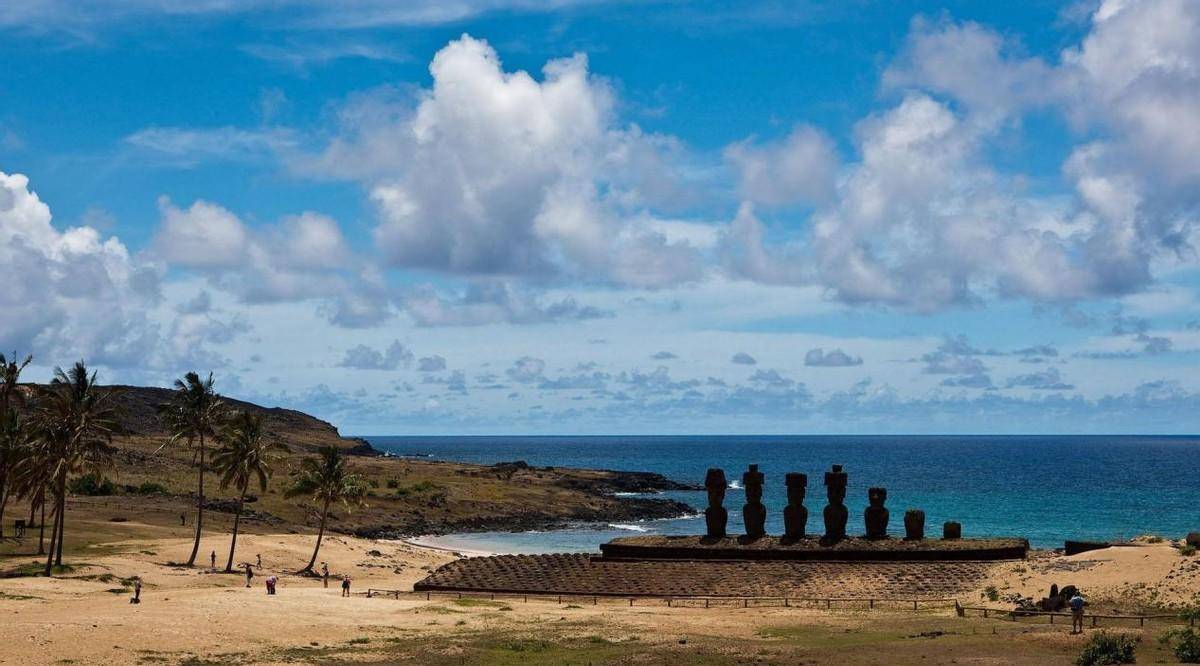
(199, 616)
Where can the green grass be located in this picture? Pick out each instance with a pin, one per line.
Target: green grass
(471, 602)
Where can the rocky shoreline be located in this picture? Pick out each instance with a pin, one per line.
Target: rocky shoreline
(604, 485)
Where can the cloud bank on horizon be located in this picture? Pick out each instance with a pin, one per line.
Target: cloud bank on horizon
(993, 229)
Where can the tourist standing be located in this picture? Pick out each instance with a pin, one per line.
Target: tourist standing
(249, 573)
(1076, 603)
(325, 573)
(212, 560)
(137, 591)
(346, 585)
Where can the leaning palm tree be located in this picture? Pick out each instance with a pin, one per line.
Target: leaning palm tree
(246, 455)
(326, 480)
(194, 415)
(73, 435)
(12, 428)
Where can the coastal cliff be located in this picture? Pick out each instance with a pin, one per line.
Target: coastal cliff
(406, 496)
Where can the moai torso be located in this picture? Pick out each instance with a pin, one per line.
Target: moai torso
(836, 514)
(795, 516)
(876, 515)
(754, 514)
(715, 516)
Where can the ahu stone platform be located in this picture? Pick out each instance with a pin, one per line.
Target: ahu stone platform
(590, 575)
(850, 549)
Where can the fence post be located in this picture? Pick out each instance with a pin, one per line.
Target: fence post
(914, 604)
(706, 603)
(1052, 618)
(631, 602)
(1094, 618)
(745, 603)
(595, 601)
(785, 603)
(985, 612)
(427, 596)
(1142, 621)
(871, 603)
(668, 602)
(828, 604)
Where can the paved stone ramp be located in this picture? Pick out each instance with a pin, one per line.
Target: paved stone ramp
(586, 574)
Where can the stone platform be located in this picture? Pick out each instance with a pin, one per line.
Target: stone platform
(851, 549)
(590, 575)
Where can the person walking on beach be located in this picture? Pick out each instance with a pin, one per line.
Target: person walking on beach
(325, 573)
(346, 585)
(212, 558)
(137, 591)
(249, 574)
(1076, 603)
(259, 564)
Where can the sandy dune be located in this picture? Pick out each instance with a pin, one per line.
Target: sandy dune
(86, 618)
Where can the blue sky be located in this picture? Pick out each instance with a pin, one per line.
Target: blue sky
(513, 216)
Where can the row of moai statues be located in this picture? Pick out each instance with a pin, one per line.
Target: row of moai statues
(795, 515)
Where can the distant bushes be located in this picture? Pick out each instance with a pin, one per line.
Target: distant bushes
(150, 488)
(1105, 648)
(414, 489)
(92, 485)
(1185, 643)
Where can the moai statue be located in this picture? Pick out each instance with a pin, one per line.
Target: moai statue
(951, 530)
(836, 514)
(715, 516)
(795, 516)
(754, 514)
(914, 525)
(876, 515)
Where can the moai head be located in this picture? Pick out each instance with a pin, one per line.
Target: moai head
(877, 496)
(714, 483)
(835, 485)
(752, 481)
(797, 486)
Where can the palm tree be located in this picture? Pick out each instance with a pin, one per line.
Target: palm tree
(73, 435)
(326, 480)
(194, 414)
(245, 455)
(12, 429)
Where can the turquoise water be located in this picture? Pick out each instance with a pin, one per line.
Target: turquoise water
(1046, 489)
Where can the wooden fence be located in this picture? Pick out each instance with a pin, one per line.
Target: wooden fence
(679, 601)
(1014, 615)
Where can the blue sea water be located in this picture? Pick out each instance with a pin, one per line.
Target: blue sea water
(1044, 488)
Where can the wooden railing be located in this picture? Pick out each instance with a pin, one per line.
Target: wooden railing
(674, 601)
(1014, 615)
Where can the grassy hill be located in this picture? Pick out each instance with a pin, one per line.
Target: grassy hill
(406, 496)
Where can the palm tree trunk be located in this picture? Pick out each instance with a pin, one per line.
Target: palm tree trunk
(42, 524)
(199, 506)
(237, 519)
(3, 502)
(33, 505)
(53, 536)
(320, 534)
(62, 522)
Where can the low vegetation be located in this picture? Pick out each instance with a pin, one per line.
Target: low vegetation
(1108, 648)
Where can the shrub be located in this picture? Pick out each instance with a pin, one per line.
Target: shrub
(151, 488)
(991, 593)
(1185, 643)
(92, 485)
(393, 484)
(1187, 550)
(1105, 648)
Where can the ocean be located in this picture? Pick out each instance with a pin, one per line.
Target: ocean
(1044, 488)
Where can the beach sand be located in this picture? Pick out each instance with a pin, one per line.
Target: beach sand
(195, 616)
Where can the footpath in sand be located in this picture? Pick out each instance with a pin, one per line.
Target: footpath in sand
(194, 616)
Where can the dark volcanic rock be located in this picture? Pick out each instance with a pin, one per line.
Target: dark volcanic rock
(626, 509)
(627, 482)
